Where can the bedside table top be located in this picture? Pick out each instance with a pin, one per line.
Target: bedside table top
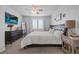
(74, 38)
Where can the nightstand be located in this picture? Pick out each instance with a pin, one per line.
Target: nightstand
(66, 47)
(70, 44)
(74, 42)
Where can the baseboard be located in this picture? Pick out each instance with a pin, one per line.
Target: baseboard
(1, 50)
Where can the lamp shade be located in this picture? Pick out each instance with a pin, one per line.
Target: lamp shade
(70, 24)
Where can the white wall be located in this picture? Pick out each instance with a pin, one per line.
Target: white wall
(72, 13)
(3, 27)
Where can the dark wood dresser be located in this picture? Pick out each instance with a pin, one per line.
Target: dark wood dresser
(11, 36)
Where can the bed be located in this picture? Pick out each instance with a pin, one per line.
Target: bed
(42, 37)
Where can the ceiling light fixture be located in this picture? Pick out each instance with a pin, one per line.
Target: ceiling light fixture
(35, 9)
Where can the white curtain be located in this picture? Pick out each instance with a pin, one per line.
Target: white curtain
(38, 24)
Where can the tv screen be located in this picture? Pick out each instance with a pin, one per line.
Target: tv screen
(10, 19)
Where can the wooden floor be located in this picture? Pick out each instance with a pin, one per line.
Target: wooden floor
(15, 49)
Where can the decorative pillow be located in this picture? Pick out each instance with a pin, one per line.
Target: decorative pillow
(51, 30)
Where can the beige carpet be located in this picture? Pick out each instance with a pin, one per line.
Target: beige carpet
(14, 48)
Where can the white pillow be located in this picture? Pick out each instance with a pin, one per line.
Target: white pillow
(51, 30)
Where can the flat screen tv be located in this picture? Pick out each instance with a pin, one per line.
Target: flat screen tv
(10, 19)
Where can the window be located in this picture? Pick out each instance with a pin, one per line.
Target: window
(37, 24)
(40, 24)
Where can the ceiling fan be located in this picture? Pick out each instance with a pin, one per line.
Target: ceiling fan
(35, 9)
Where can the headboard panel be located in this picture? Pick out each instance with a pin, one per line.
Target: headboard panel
(59, 27)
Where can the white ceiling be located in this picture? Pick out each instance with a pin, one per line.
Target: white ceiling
(25, 10)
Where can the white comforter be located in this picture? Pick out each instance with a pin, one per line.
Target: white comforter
(41, 37)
